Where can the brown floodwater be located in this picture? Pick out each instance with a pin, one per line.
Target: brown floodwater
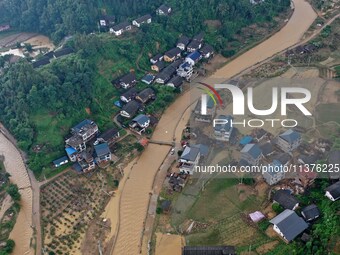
(22, 231)
(135, 194)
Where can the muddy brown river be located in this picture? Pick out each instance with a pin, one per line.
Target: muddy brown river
(135, 194)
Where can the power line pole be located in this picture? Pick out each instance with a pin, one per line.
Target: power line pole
(100, 248)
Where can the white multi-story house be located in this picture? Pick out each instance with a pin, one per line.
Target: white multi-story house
(189, 159)
(289, 140)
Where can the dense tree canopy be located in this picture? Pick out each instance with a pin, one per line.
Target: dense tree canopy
(59, 18)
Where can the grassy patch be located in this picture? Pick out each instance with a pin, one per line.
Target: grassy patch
(328, 112)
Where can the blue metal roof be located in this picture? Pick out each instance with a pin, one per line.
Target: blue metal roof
(252, 149)
(102, 149)
(70, 150)
(60, 160)
(245, 140)
(290, 136)
(78, 127)
(141, 119)
(194, 55)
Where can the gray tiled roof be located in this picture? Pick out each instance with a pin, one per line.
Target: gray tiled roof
(252, 149)
(290, 224)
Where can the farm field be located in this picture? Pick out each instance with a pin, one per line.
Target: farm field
(69, 206)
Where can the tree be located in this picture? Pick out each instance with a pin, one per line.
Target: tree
(13, 191)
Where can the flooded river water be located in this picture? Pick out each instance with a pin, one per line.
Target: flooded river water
(22, 231)
(135, 195)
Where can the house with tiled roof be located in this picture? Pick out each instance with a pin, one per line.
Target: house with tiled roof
(182, 42)
(273, 173)
(209, 250)
(285, 199)
(288, 225)
(163, 10)
(146, 19)
(102, 152)
(189, 159)
(333, 191)
(193, 58)
(251, 153)
(289, 140)
(223, 131)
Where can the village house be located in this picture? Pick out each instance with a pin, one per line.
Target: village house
(63, 52)
(110, 136)
(127, 81)
(86, 129)
(72, 152)
(289, 140)
(156, 58)
(60, 161)
(210, 111)
(4, 27)
(120, 28)
(130, 109)
(333, 159)
(41, 62)
(163, 10)
(308, 159)
(207, 51)
(142, 20)
(223, 132)
(267, 149)
(193, 58)
(172, 54)
(251, 153)
(310, 212)
(166, 206)
(166, 74)
(85, 165)
(175, 82)
(285, 199)
(146, 95)
(333, 191)
(196, 43)
(189, 159)
(129, 95)
(148, 79)
(259, 134)
(140, 123)
(288, 225)
(182, 42)
(107, 21)
(283, 158)
(256, 1)
(158, 66)
(208, 250)
(185, 70)
(274, 173)
(306, 177)
(102, 152)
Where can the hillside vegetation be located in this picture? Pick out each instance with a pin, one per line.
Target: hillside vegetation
(60, 18)
(40, 105)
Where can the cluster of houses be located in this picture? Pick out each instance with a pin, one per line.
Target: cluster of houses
(50, 56)
(86, 147)
(108, 22)
(289, 224)
(180, 68)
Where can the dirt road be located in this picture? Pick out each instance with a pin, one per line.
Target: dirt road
(136, 193)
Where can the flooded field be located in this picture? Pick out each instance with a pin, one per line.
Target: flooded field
(38, 42)
(135, 196)
(22, 231)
